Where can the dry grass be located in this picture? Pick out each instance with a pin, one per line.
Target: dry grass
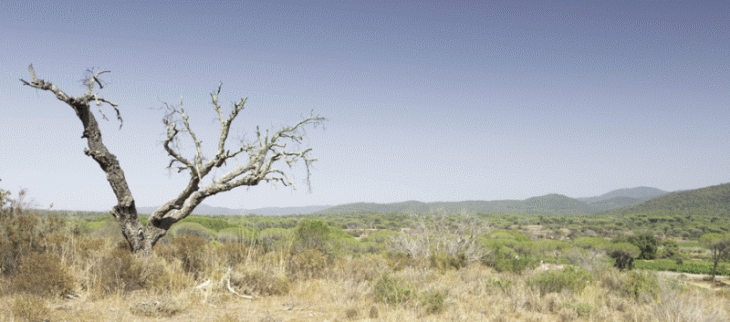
(112, 285)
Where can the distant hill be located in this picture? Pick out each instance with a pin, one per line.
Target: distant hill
(713, 200)
(640, 194)
(204, 209)
(551, 204)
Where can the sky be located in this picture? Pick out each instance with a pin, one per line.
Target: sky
(428, 101)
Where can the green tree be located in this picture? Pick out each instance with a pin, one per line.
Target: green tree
(624, 254)
(646, 242)
(719, 246)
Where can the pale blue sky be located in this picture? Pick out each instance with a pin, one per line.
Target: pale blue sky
(429, 101)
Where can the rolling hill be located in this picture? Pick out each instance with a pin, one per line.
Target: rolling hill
(713, 200)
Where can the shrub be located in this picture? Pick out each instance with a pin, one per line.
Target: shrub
(188, 251)
(43, 275)
(443, 262)
(624, 254)
(313, 234)
(503, 285)
(30, 308)
(647, 244)
(640, 285)
(391, 290)
(276, 238)
(569, 278)
(310, 263)
(241, 235)
(382, 236)
(191, 229)
(259, 282)
(119, 271)
(433, 301)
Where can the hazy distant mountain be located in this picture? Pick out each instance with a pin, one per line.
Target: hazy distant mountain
(638, 193)
(551, 204)
(713, 200)
(204, 209)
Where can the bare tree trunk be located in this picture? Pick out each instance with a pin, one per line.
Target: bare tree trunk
(125, 211)
(259, 168)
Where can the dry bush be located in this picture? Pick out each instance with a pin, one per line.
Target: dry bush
(119, 271)
(359, 269)
(309, 263)
(442, 237)
(188, 249)
(678, 303)
(30, 308)
(234, 253)
(398, 261)
(259, 282)
(43, 275)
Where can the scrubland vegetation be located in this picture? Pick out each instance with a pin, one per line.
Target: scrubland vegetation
(61, 266)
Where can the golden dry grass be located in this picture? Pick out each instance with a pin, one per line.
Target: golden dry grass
(284, 288)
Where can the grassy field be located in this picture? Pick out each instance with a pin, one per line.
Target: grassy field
(440, 269)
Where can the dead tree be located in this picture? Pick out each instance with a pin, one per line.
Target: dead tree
(262, 155)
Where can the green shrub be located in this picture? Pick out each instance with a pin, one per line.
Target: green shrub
(433, 301)
(503, 285)
(647, 244)
(624, 254)
(382, 236)
(43, 275)
(515, 265)
(641, 284)
(443, 262)
(569, 278)
(391, 290)
(30, 308)
(276, 238)
(191, 229)
(313, 234)
(242, 235)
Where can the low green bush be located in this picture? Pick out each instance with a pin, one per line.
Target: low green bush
(640, 285)
(391, 290)
(568, 278)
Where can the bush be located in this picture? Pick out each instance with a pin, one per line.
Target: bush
(310, 263)
(624, 254)
(191, 229)
(259, 282)
(43, 275)
(30, 308)
(241, 235)
(188, 251)
(443, 262)
(569, 278)
(313, 234)
(433, 301)
(391, 290)
(119, 271)
(640, 285)
(647, 244)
